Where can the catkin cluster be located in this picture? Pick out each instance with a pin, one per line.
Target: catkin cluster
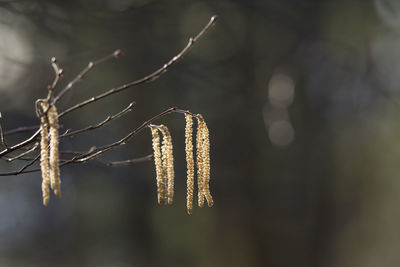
(164, 162)
(49, 158)
(202, 161)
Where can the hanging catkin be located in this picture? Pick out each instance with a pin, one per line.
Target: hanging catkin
(206, 161)
(44, 157)
(169, 161)
(200, 161)
(157, 160)
(189, 161)
(55, 181)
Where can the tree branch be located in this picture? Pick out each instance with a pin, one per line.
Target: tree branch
(126, 162)
(3, 140)
(151, 77)
(100, 124)
(82, 74)
(93, 152)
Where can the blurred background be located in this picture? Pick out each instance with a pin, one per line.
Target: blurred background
(302, 102)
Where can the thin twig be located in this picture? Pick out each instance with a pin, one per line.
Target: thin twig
(20, 145)
(3, 140)
(100, 124)
(151, 77)
(95, 152)
(100, 150)
(24, 153)
(58, 72)
(126, 162)
(23, 168)
(82, 74)
(21, 129)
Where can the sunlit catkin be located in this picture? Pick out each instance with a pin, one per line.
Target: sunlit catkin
(164, 159)
(200, 161)
(167, 151)
(44, 159)
(55, 181)
(206, 161)
(157, 160)
(189, 161)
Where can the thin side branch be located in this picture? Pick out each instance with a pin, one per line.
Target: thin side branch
(20, 156)
(82, 74)
(3, 140)
(93, 152)
(21, 130)
(151, 77)
(126, 162)
(100, 124)
(58, 72)
(20, 145)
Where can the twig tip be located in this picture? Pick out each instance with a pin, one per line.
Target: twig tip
(118, 53)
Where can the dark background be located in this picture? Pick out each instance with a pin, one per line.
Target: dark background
(301, 99)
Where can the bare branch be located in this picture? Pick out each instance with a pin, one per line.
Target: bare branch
(21, 129)
(20, 156)
(151, 77)
(82, 74)
(21, 144)
(100, 124)
(58, 72)
(126, 162)
(23, 168)
(3, 140)
(93, 152)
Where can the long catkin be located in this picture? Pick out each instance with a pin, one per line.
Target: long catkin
(44, 159)
(157, 160)
(55, 181)
(189, 161)
(200, 161)
(169, 164)
(206, 162)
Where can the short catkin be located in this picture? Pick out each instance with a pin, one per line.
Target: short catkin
(189, 161)
(169, 164)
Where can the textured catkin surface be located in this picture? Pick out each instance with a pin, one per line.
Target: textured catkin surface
(169, 164)
(157, 160)
(200, 161)
(44, 160)
(189, 161)
(206, 162)
(55, 181)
